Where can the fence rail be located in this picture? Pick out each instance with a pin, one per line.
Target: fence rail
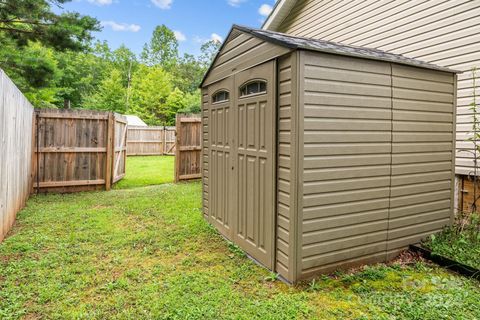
(16, 127)
(189, 147)
(151, 141)
(78, 150)
(53, 150)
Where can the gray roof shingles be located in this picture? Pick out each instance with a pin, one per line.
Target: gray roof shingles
(338, 48)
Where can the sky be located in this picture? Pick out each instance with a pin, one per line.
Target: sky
(131, 22)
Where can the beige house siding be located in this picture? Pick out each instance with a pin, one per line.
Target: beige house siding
(445, 33)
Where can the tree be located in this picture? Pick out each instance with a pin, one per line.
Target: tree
(34, 20)
(33, 42)
(192, 102)
(208, 52)
(151, 87)
(34, 69)
(175, 101)
(162, 49)
(188, 74)
(111, 94)
(124, 60)
(82, 73)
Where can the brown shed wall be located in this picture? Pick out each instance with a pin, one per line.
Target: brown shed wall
(364, 152)
(377, 159)
(441, 32)
(346, 157)
(288, 121)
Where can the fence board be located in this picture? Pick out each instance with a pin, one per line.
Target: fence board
(148, 141)
(76, 150)
(188, 148)
(120, 147)
(16, 125)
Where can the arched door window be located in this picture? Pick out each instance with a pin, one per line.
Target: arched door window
(220, 96)
(253, 87)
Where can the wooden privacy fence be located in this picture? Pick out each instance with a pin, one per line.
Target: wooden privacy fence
(78, 150)
(151, 141)
(16, 126)
(188, 148)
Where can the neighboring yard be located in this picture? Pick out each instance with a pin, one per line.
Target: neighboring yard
(147, 171)
(146, 252)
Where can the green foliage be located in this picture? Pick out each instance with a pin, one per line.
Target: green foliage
(209, 51)
(151, 88)
(34, 69)
(34, 20)
(459, 242)
(32, 37)
(188, 73)
(53, 61)
(81, 74)
(110, 95)
(124, 60)
(162, 49)
(147, 252)
(192, 102)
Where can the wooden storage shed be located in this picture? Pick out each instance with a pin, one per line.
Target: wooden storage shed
(318, 156)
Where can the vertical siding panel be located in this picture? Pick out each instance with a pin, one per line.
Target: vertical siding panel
(346, 162)
(422, 182)
(286, 169)
(440, 32)
(205, 150)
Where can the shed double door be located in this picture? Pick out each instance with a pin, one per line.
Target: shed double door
(242, 161)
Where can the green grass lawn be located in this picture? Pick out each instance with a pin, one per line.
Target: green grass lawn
(147, 253)
(147, 171)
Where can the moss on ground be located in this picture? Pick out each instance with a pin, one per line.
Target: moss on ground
(147, 253)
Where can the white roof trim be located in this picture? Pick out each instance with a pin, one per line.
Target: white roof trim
(279, 13)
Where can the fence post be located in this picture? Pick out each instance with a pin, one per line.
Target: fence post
(35, 158)
(178, 120)
(110, 151)
(164, 141)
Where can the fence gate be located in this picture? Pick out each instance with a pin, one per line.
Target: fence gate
(120, 148)
(78, 150)
(188, 148)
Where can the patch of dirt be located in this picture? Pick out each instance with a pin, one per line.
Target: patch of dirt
(11, 257)
(99, 206)
(407, 258)
(32, 316)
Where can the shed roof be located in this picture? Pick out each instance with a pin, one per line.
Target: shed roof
(294, 43)
(338, 48)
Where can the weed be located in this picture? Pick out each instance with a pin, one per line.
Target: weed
(460, 242)
(148, 253)
(272, 277)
